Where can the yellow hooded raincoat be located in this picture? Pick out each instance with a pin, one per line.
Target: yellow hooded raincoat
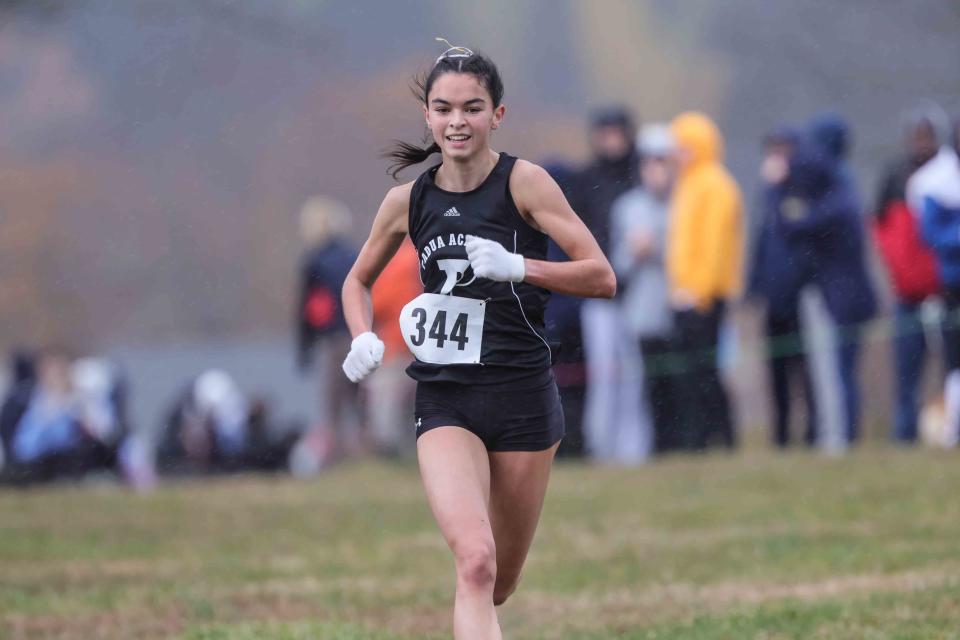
(705, 248)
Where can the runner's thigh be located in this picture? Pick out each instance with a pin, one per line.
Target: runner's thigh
(456, 476)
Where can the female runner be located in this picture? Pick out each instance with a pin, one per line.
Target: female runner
(488, 414)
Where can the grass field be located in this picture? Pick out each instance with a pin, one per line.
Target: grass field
(747, 546)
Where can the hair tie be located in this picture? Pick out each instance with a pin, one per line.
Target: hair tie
(452, 52)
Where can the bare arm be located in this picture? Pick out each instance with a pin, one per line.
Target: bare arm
(388, 232)
(540, 200)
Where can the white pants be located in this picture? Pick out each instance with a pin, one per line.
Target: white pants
(617, 426)
(819, 336)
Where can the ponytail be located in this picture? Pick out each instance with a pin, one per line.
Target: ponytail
(403, 154)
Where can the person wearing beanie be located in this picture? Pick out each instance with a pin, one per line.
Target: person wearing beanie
(638, 253)
(612, 405)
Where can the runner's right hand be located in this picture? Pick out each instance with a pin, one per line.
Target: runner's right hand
(366, 354)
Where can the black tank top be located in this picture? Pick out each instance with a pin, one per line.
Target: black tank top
(513, 347)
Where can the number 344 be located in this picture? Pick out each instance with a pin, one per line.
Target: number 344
(438, 329)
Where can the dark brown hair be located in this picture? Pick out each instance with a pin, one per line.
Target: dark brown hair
(403, 154)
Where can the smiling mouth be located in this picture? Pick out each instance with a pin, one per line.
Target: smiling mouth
(458, 138)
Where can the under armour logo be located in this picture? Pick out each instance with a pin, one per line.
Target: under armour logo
(454, 268)
(419, 422)
(451, 213)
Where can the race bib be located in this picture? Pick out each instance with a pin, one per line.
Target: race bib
(443, 329)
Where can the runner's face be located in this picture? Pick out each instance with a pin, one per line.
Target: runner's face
(461, 115)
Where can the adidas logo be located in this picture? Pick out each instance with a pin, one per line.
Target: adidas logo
(452, 213)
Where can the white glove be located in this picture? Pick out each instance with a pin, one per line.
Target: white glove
(366, 354)
(490, 260)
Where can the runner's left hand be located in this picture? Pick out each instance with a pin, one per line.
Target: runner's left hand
(490, 260)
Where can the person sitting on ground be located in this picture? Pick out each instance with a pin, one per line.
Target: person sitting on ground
(207, 427)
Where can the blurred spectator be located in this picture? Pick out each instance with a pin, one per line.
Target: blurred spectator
(565, 333)
(207, 426)
(62, 420)
(612, 172)
(391, 414)
(833, 225)
(704, 256)
(638, 254)
(612, 405)
(910, 263)
(213, 427)
(46, 429)
(934, 190)
(23, 379)
(323, 338)
(780, 269)
(100, 392)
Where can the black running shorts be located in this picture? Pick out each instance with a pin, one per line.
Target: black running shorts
(523, 417)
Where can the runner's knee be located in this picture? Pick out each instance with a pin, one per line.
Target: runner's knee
(476, 564)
